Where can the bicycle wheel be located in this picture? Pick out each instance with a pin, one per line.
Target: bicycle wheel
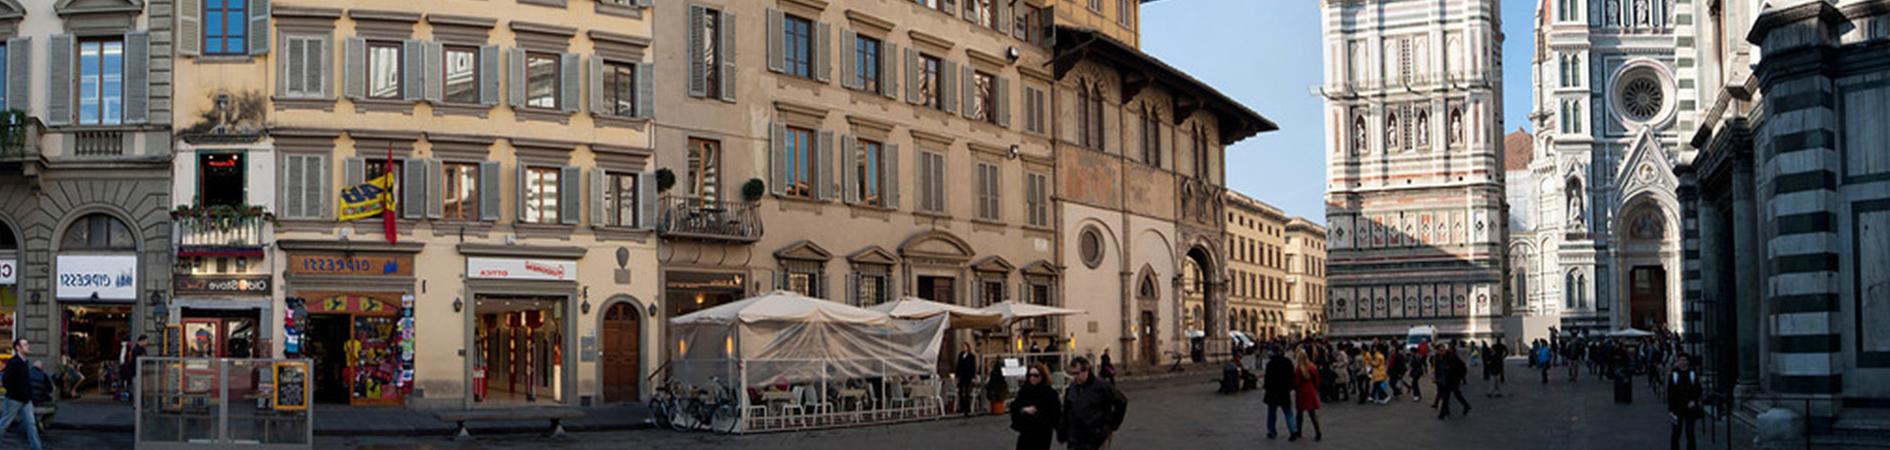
(660, 415)
(725, 419)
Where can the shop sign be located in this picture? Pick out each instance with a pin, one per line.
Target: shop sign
(240, 284)
(699, 280)
(355, 264)
(8, 269)
(109, 277)
(521, 269)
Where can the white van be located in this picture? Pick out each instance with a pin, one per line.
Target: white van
(1419, 335)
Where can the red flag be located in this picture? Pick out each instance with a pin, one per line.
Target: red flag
(387, 201)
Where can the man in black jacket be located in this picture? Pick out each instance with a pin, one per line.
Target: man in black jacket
(967, 372)
(1279, 392)
(18, 380)
(1683, 401)
(1092, 409)
(1450, 374)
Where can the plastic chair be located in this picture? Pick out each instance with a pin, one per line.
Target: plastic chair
(794, 404)
(820, 410)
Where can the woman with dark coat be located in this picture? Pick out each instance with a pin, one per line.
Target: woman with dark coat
(1035, 412)
(1306, 375)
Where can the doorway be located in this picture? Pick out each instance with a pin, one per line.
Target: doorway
(621, 354)
(1150, 352)
(939, 289)
(95, 336)
(1647, 299)
(327, 340)
(521, 348)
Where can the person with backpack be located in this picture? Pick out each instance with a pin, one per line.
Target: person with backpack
(17, 378)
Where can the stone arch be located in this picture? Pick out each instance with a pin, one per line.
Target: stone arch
(74, 215)
(936, 244)
(1638, 255)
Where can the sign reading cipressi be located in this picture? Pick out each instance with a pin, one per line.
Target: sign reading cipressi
(109, 277)
(521, 269)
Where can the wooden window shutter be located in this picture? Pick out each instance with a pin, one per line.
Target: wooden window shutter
(436, 186)
(189, 27)
(948, 86)
(726, 54)
(413, 68)
(137, 78)
(489, 75)
(889, 176)
(294, 176)
(777, 50)
(568, 82)
(515, 77)
(1003, 99)
(698, 72)
(354, 61)
(823, 162)
(912, 78)
(413, 189)
(888, 84)
(646, 200)
(435, 75)
(259, 27)
(970, 107)
(777, 151)
(849, 59)
(849, 176)
(600, 209)
(355, 171)
(19, 61)
(518, 190)
(823, 51)
(594, 82)
(569, 194)
(489, 191)
(646, 90)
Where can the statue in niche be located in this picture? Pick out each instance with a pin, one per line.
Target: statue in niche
(1575, 205)
(1642, 14)
(1614, 12)
(1423, 132)
(1359, 140)
(1456, 127)
(1391, 132)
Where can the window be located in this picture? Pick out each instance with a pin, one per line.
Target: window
(1096, 5)
(1125, 13)
(1037, 199)
(460, 196)
(383, 70)
(541, 80)
(984, 100)
(800, 162)
(989, 205)
(375, 168)
(541, 195)
(1152, 138)
(990, 291)
(803, 277)
(101, 81)
(1202, 157)
(225, 22)
(1089, 246)
(220, 179)
(797, 41)
(1033, 110)
(982, 11)
(1031, 28)
(867, 172)
(711, 65)
(932, 182)
(872, 285)
(305, 67)
(866, 63)
(97, 232)
(620, 87)
(705, 167)
(620, 199)
(931, 81)
(1089, 116)
(462, 74)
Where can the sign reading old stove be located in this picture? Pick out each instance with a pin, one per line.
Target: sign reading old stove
(221, 284)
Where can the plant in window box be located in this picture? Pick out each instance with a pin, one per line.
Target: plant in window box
(13, 138)
(753, 190)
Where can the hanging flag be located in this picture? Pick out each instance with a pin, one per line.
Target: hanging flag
(387, 213)
(367, 199)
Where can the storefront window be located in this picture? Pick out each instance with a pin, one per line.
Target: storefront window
(220, 179)
(520, 341)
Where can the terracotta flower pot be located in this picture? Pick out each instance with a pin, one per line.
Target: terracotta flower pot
(997, 407)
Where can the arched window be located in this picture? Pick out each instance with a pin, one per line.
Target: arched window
(1146, 289)
(97, 232)
(7, 240)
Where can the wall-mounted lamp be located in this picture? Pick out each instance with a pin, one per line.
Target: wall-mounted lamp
(458, 305)
(652, 312)
(585, 307)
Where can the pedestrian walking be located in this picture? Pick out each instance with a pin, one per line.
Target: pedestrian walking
(1381, 389)
(1108, 368)
(1092, 409)
(1308, 378)
(1035, 412)
(1279, 386)
(1451, 373)
(1544, 359)
(1493, 369)
(1417, 375)
(1396, 377)
(17, 378)
(1683, 401)
(967, 372)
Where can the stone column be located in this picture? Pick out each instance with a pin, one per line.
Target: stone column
(1745, 246)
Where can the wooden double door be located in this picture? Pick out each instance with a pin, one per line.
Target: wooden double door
(621, 353)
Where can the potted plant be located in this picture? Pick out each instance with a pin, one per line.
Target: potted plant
(997, 390)
(665, 179)
(753, 190)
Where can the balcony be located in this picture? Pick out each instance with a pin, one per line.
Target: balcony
(19, 137)
(219, 230)
(683, 217)
(98, 143)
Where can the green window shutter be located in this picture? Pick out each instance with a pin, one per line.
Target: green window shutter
(726, 54)
(489, 75)
(259, 27)
(568, 82)
(19, 61)
(823, 163)
(489, 191)
(354, 59)
(435, 75)
(569, 194)
(646, 90)
(890, 176)
(777, 51)
(59, 69)
(698, 72)
(515, 77)
(189, 27)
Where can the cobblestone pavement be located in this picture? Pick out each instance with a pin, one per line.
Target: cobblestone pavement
(1555, 416)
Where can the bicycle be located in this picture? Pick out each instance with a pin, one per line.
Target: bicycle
(714, 409)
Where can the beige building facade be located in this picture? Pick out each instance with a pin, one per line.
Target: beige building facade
(516, 142)
(1256, 270)
(1305, 278)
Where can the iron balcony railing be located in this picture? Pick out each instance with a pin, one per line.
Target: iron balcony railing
(700, 218)
(211, 229)
(19, 137)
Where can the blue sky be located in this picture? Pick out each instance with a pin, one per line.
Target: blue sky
(1266, 54)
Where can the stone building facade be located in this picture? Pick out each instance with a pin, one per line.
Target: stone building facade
(85, 235)
(1414, 199)
(1257, 300)
(1306, 290)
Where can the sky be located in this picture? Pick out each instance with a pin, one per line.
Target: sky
(1267, 55)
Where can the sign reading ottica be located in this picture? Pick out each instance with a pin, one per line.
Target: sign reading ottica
(521, 269)
(109, 277)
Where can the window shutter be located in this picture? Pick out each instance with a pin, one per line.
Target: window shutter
(823, 51)
(970, 13)
(600, 209)
(948, 85)
(888, 84)
(778, 159)
(850, 157)
(354, 58)
(970, 94)
(19, 61)
(137, 78)
(258, 27)
(295, 176)
(518, 191)
(282, 65)
(317, 192)
(59, 67)
(324, 55)
(698, 72)
(997, 193)
(646, 90)
(413, 189)
(646, 200)
(515, 76)
(726, 54)
(1003, 99)
(189, 27)
(569, 194)
(489, 193)
(435, 72)
(823, 161)
(890, 176)
(1001, 15)
(853, 289)
(849, 59)
(938, 183)
(436, 187)
(912, 78)
(413, 68)
(594, 81)
(568, 82)
(489, 75)
(777, 51)
(355, 171)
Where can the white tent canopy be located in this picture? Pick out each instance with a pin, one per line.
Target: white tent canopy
(960, 317)
(1630, 333)
(1012, 312)
(783, 306)
(784, 337)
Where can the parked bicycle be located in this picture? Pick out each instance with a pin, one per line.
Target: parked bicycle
(683, 408)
